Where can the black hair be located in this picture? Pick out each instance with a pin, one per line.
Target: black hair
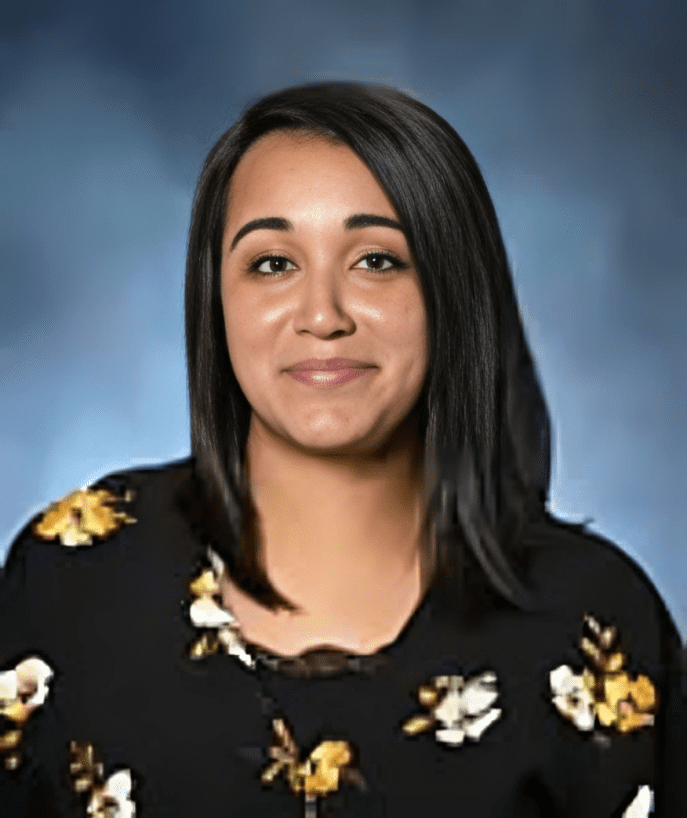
(482, 414)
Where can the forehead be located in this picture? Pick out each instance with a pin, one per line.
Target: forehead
(283, 168)
(278, 150)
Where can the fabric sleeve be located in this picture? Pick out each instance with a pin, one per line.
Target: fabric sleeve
(28, 730)
(625, 756)
(654, 647)
(671, 747)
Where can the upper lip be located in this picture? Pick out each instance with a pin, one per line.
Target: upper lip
(327, 364)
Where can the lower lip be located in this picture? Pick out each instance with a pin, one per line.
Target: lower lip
(325, 379)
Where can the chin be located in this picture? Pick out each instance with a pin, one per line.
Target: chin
(331, 441)
(329, 445)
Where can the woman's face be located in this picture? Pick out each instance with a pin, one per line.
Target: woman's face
(313, 267)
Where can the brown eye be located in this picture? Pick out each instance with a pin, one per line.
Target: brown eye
(382, 262)
(271, 265)
(377, 262)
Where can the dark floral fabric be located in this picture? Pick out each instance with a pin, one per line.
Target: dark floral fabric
(127, 689)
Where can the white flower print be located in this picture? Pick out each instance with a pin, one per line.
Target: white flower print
(234, 645)
(112, 799)
(222, 629)
(206, 613)
(466, 709)
(24, 689)
(461, 708)
(572, 698)
(216, 562)
(642, 804)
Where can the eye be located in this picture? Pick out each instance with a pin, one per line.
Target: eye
(271, 265)
(382, 262)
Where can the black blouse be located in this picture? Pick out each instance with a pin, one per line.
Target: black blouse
(577, 710)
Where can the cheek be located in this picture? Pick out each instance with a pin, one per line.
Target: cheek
(411, 329)
(239, 327)
(418, 346)
(252, 329)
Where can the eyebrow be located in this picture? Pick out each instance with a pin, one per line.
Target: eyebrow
(355, 222)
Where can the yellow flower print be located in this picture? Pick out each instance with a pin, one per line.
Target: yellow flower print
(327, 765)
(627, 705)
(221, 631)
(22, 690)
(606, 691)
(319, 773)
(81, 515)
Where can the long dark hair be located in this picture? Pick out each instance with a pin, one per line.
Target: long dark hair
(482, 414)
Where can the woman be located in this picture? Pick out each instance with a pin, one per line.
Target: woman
(351, 599)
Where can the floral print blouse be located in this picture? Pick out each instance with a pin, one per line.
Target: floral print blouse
(126, 689)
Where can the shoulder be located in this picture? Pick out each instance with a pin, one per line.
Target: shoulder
(89, 559)
(613, 682)
(91, 602)
(576, 572)
(86, 518)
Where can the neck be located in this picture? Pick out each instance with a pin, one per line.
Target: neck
(335, 532)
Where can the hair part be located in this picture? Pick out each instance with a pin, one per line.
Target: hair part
(482, 414)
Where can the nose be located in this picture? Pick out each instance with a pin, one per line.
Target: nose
(321, 310)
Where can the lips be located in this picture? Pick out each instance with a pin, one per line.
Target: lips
(328, 365)
(329, 372)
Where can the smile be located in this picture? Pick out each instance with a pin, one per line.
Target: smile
(329, 378)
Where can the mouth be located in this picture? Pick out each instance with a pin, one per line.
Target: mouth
(328, 365)
(327, 378)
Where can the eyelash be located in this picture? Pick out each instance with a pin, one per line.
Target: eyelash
(396, 263)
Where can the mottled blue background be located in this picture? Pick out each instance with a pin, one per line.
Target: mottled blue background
(575, 111)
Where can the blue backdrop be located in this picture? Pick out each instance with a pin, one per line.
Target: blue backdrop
(575, 111)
